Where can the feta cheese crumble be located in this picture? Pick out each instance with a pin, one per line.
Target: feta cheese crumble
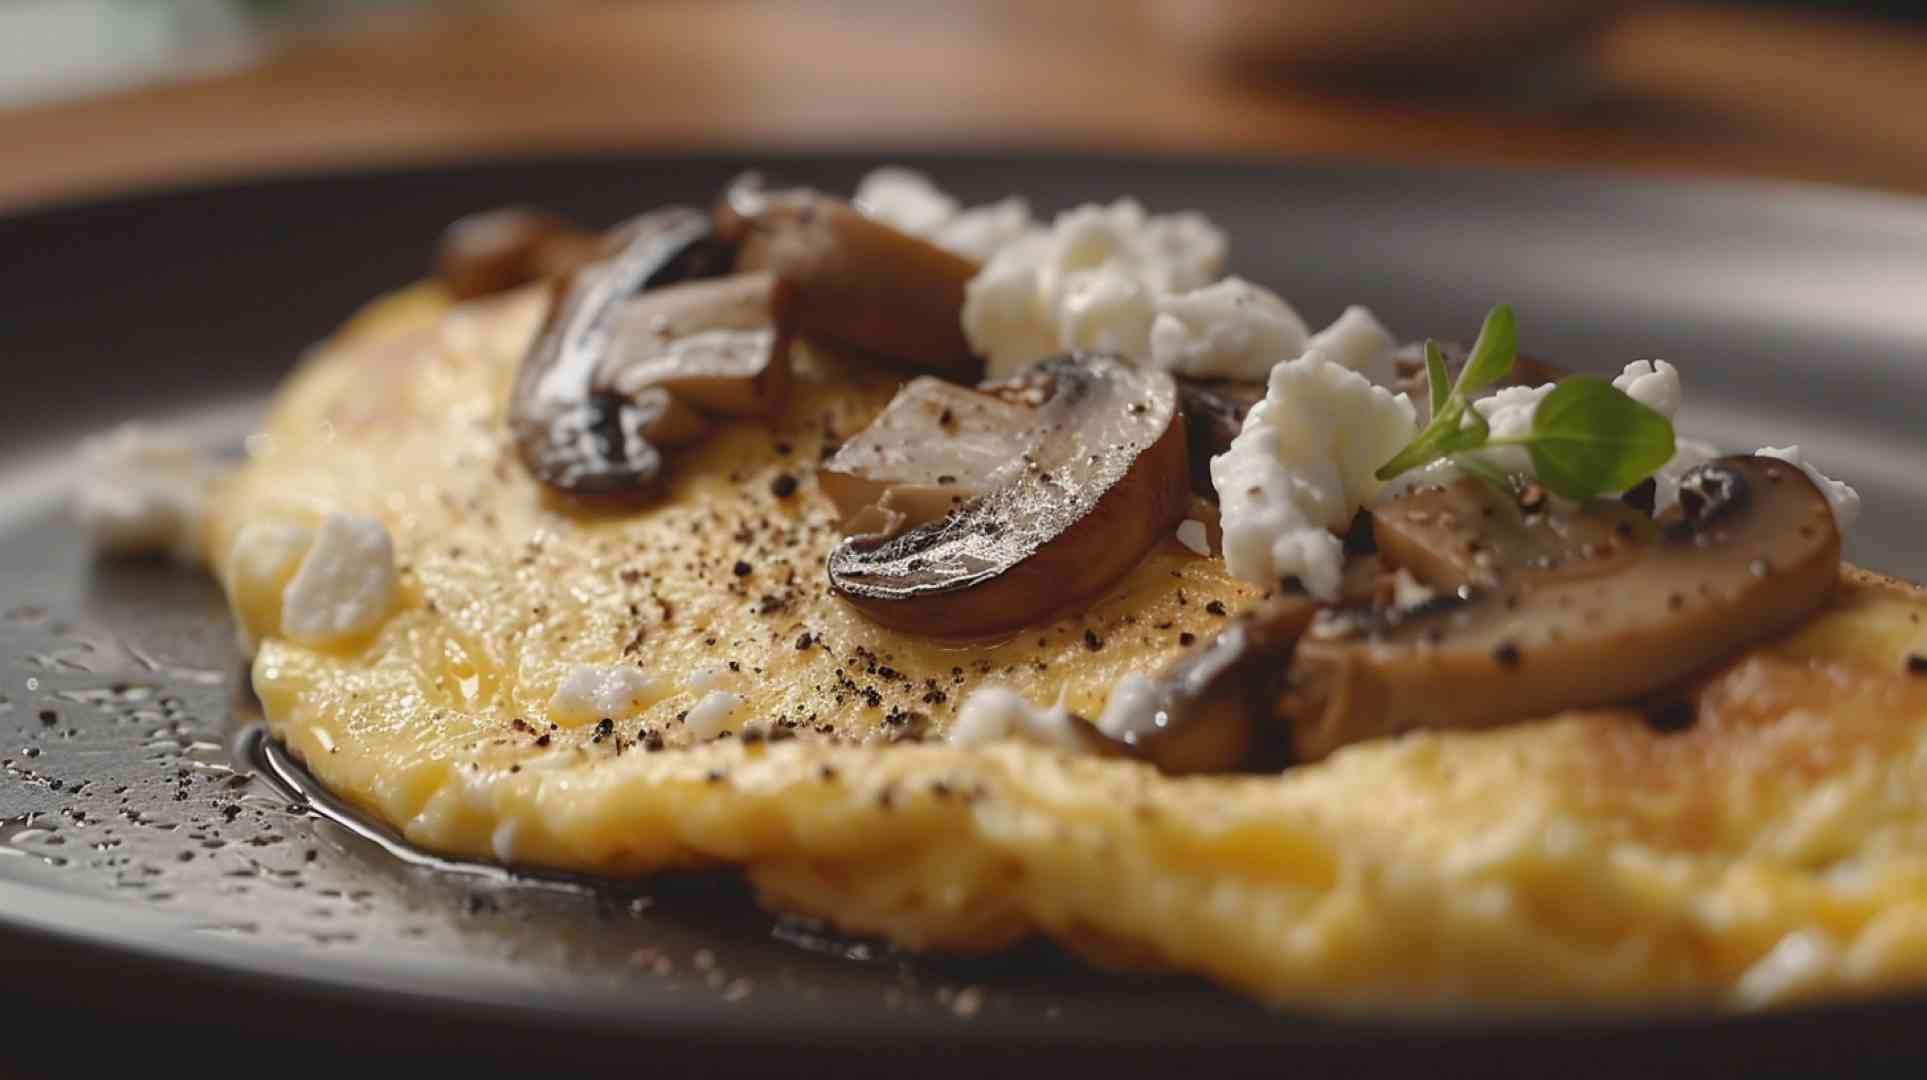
(905, 199)
(137, 491)
(345, 585)
(991, 713)
(1844, 500)
(1301, 468)
(1359, 341)
(709, 717)
(591, 692)
(708, 677)
(1228, 330)
(981, 231)
(1131, 709)
(1652, 383)
(316, 587)
(263, 559)
(1192, 534)
(1092, 281)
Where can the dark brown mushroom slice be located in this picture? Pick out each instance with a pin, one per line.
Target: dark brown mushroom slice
(571, 435)
(1214, 413)
(1751, 552)
(932, 449)
(852, 279)
(711, 343)
(1470, 532)
(1103, 479)
(1210, 709)
(496, 250)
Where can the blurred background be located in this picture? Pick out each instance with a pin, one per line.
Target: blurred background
(102, 95)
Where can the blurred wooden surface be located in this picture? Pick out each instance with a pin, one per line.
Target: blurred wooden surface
(1666, 88)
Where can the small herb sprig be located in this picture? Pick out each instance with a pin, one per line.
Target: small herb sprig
(1588, 437)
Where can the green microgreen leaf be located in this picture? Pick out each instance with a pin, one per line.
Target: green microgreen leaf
(1435, 375)
(1492, 353)
(1589, 438)
(1456, 426)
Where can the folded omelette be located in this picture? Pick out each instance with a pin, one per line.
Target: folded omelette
(621, 687)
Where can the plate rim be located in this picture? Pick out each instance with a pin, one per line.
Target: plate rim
(38, 917)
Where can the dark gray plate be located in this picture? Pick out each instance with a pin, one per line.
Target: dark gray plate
(154, 881)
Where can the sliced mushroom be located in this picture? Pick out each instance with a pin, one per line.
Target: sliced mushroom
(1100, 478)
(853, 279)
(572, 435)
(1751, 552)
(932, 450)
(1214, 413)
(710, 343)
(496, 250)
(1210, 709)
(1470, 533)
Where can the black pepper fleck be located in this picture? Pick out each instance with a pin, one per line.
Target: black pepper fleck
(783, 486)
(741, 569)
(1507, 654)
(1092, 641)
(1916, 664)
(1669, 717)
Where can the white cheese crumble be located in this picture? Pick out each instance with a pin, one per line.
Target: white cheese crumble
(1301, 467)
(991, 713)
(981, 231)
(709, 717)
(1109, 309)
(1192, 534)
(1800, 962)
(905, 199)
(707, 678)
(1092, 281)
(1359, 341)
(1652, 383)
(137, 491)
(502, 840)
(1844, 500)
(1132, 707)
(590, 692)
(1408, 592)
(345, 585)
(263, 559)
(1228, 330)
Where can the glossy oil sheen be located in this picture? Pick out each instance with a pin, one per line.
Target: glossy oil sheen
(156, 876)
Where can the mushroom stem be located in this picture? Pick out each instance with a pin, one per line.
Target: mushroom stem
(496, 250)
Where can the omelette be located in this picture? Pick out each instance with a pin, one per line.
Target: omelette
(743, 666)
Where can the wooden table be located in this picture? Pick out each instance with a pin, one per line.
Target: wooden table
(1667, 88)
